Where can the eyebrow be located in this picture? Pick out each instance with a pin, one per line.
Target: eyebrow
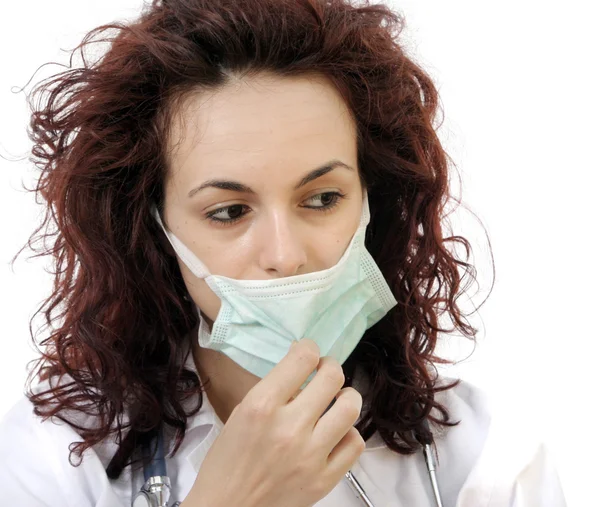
(240, 187)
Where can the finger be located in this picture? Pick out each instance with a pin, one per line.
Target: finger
(345, 453)
(320, 392)
(287, 376)
(334, 424)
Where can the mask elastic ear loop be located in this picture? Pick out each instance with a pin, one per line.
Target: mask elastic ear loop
(365, 216)
(188, 257)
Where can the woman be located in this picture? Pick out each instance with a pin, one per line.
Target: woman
(232, 178)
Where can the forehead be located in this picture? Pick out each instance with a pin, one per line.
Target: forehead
(261, 120)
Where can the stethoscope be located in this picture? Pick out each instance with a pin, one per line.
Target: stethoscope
(157, 486)
(157, 489)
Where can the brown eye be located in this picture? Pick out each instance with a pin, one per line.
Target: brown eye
(227, 215)
(328, 200)
(235, 211)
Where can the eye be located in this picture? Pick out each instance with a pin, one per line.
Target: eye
(328, 200)
(227, 215)
(232, 214)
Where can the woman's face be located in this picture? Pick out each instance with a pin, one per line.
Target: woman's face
(244, 191)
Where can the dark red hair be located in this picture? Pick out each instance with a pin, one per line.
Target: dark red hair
(119, 314)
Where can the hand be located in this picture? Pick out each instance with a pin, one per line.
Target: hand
(278, 447)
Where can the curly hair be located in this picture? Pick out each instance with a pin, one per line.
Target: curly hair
(119, 314)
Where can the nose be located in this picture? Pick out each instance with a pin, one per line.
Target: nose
(282, 252)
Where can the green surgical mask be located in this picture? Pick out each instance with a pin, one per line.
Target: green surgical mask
(259, 319)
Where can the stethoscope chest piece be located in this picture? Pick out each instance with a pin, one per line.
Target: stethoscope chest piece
(155, 493)
(157, 489)
(144, 499)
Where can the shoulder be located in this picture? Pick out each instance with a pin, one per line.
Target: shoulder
(510, 463)
(469, 405)
(28, 463)
(465, 399)
(21, 425)
(459, 447)
(495, 422)
(35, 466)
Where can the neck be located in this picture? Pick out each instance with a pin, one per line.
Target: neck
(228, 383)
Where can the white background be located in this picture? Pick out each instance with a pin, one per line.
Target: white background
(519, 86)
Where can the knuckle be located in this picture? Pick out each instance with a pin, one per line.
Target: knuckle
(362, 445)
(357, 396)
(358, 441)
(320, 484)
(284, 438)
(308, 350)
(348, 407)
(352, 394)
(305, 468)
(257, 408)
(308, 353)
(333, 372)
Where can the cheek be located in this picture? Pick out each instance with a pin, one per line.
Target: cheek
(335, 243)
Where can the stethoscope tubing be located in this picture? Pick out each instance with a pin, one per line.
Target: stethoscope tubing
(158, 465)
(358, 489)
(362, 495)
(157, 468)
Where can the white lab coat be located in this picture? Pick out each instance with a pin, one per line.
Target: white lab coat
(478, 464)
